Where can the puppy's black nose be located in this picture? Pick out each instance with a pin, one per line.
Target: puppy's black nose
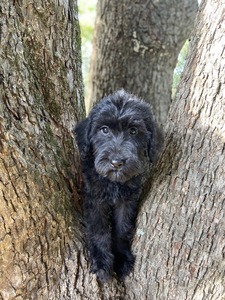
(117, 163)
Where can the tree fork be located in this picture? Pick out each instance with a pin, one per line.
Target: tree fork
(136, 46)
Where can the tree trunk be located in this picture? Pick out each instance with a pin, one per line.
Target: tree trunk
(41, 97)
(136, 46)
(180, 233)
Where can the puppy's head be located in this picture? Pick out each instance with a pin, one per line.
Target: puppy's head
(119, 135)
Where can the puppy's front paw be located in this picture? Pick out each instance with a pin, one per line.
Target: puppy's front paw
(124, 264)
(103, 272)
(103, 275)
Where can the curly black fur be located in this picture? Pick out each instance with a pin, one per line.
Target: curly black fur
(117, 143)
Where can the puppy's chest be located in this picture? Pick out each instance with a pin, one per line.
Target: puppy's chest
(116, 193)
(112, 193)
(114, 196)
(104, 190)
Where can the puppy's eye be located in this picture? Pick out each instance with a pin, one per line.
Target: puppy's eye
(133, 130)
(104, 129)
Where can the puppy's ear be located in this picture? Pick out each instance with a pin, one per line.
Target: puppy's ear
(82, 136)
(155, 143)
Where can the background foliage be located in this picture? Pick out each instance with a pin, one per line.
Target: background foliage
(87, 10)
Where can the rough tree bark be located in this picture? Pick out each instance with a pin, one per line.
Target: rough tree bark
(180, 232)
(41, 97)
(136, 46)
(180, 242)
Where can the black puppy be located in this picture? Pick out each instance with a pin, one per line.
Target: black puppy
(117, 143)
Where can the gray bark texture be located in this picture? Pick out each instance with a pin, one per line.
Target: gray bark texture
(136, 46)
(41, 98)
(179, 242)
